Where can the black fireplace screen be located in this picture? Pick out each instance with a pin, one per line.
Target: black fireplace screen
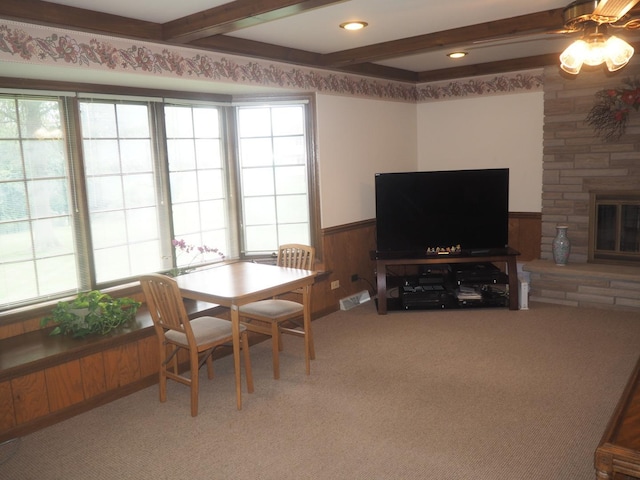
(616, 229)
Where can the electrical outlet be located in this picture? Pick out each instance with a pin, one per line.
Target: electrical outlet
(335, 284)
(355, 277)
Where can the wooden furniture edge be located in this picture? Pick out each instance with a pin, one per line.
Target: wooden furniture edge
(604, 457)
(382, 262)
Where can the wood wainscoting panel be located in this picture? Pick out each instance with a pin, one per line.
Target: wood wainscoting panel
(64, 385)
(93, 376)
(149, 356)
(525, 234)
(30, 398)
(121, 366)
(7, 414)
(11, 330)
(346, 252)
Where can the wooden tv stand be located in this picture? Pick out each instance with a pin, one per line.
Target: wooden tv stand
(385, 259)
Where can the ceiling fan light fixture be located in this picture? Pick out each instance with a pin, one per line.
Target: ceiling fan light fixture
(457, 54)
(595, 49)
(352, 26)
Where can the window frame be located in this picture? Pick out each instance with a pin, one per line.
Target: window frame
(312, 164)
(76, 161)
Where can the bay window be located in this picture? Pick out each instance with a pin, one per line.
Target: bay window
(95, 190)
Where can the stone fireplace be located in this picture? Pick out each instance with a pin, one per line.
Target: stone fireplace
(584, 175)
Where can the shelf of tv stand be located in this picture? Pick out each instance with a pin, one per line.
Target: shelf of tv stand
(385, 259)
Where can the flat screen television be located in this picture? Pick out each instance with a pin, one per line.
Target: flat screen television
(417, 211)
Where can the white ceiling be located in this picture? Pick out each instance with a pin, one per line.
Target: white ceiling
(317, 30)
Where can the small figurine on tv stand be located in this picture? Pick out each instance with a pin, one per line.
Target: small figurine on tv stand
(444, 250)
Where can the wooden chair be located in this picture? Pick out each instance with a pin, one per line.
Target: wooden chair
(199, 337)
(270, 316)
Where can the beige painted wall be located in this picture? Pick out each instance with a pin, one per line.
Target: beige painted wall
(487, 132)
(358, 138)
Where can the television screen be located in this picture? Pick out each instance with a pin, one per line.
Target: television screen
(416, 211)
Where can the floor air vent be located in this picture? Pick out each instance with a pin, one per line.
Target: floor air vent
(354, 300)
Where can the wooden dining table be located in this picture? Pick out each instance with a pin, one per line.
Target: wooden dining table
(235, 284)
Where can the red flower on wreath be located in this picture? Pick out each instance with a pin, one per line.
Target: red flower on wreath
(610, 114)
(630, 97)
(620, 115)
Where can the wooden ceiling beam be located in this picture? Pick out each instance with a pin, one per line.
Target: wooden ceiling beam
(489, 68)
(502, 66)
(235, 15)
(539, 22)
(267, 51)
(251, 48)
(382, 71)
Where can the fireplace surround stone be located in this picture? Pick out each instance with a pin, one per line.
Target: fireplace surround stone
(576, 162)
(584, 285)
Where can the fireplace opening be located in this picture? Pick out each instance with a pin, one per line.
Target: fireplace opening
(615, 228)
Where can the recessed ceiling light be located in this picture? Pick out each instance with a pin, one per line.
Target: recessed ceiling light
(353, 25)
(457, 54)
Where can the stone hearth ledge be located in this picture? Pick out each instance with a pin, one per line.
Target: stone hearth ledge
(584, 284)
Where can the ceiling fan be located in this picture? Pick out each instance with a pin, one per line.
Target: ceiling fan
(581, 14)
(594, 20)
(596, 46)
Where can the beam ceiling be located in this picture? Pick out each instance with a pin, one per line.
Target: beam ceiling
(207, 30)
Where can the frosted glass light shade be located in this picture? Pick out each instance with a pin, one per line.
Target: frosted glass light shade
(594, 50)
(619, 53)
(572, 58)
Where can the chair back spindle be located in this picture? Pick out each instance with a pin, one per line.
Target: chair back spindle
(166, 306)
(295, 255)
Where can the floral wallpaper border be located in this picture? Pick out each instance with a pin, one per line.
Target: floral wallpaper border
(482, 86)
(35, 44)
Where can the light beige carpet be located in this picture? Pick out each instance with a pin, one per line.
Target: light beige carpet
(467, 394)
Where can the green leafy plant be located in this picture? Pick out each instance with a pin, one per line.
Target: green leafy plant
(91, 312)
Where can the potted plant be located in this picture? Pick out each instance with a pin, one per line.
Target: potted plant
(91, 312)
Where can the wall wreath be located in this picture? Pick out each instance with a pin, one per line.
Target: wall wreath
(610, 114)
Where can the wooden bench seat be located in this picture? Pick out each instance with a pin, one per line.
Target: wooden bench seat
(45, 379)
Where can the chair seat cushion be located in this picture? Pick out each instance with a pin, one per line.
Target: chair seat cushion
(205, 330)
(271, 308)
